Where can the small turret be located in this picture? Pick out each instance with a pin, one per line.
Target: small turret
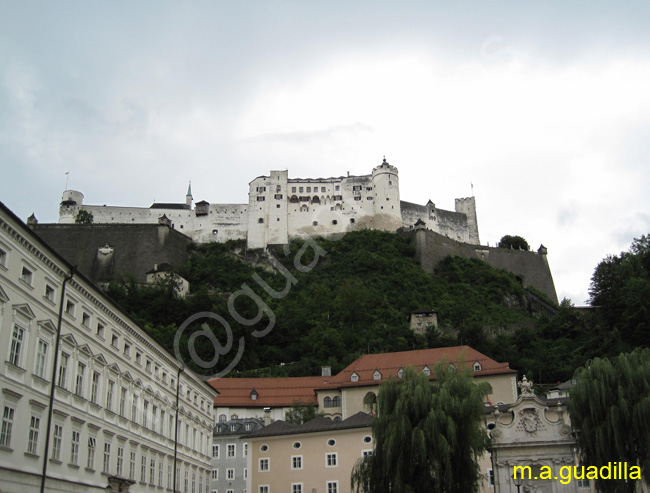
(188, 197)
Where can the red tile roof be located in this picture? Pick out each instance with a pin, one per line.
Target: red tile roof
(283, 392)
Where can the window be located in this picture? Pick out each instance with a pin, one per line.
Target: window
(308, 189)
(100, 330)
(426, 371)
(7, 425)
(400, 373)
(264, 489)
(215, 474)
(143, 468)
(331, 460)
(154, 417)
(230, 474)
(337, 188)
(49, 293)
(581, 483)
(85, 319)
(115, 340)
(367, 439)
(215, 451)
(296, 462)
(138, 360)
(56, 442)
(249, 426)
(264, 465)
(296, 488)
(331, 442)
(26, 275)
(354, 377)
(94, 387)
(490, 477)
(322, 189)
(231, 450)
(261, 198)
(297, 444)
(123, 402)
(127, 349)
(264, 448)
(109, 395)
(245, 473)
(41, 358)
(332, 487)
(301, 189)
(79, 385)
(63, 370)
(233, 427)
(145, 412)
(477, 366)
(90, 462)
(17, 339)
(32, 442)
(74, 447)
(152, 471)
(260, 220)
(3, 257)
(245, 450)
(222, 418)
(451, 368)
(336, 401)
(376, 375)
(70, 308)
(107, 457)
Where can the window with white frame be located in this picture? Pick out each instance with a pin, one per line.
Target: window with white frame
(152, 471)
(332, 487)
(143, 468)
(490, 474)
(215, 451)
(376, 375)
(215, 474)
(17, 340)
(41, 358)
(427, 371)
(231, 450)
(100, 329)
(74, 447)
(7, 426)
(94, 387)
(582, 483)
(90, 461)
(245, 473)
(123, 393)
(296, 462)
(70, 307)
(3, 258)
(230, 474)
(79, 384)
(85, 319)
(263, 489)
(354, 377)
(115, 340)
(120, 460)
(32, 442)
(109, 395)
(245, 450)
(26, 275)
(63, 370)
(296, 488)
(477, 366)
(132, 466)
(107, 457)
(331, 460)
(49, 293)
(264, 465)
(57, 437)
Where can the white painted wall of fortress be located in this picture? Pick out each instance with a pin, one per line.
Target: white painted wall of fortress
(281, 208)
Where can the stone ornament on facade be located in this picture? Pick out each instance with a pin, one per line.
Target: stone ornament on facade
(526, 387)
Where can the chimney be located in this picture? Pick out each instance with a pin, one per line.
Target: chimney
(326, 371)
(267, 416)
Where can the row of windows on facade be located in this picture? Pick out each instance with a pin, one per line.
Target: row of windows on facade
(144, 413)
(354, 377)
(330, 487)
(231, 448)
(117, 467)
(70, 309)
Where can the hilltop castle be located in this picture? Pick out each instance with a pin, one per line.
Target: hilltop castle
(281, 208)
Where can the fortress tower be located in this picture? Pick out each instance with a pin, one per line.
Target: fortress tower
(71, 203)
(467, 206)
(385, 181)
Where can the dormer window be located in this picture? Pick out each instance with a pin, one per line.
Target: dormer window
(451, 368)
(400, 373)
(254, 395)
(233, 427)
(354, 377)
(427, 371)
(477, 366)
(376, 375)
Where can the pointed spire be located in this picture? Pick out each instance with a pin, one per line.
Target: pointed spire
(189, 189)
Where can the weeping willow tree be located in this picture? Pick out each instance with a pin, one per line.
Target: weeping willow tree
(428, 435)
(610, 410)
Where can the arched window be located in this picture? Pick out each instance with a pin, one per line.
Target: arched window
(336, 401)
(222, 418)
(315, 200)
(327, 402)
(294, 199)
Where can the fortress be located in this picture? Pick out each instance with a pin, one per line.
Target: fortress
(281, 208)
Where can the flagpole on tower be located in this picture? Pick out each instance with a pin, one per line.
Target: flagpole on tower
(67, 177)
(472, 188)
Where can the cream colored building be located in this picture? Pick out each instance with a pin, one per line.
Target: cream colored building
(87, 398)
(315, 457)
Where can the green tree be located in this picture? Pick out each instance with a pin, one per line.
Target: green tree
(428, 435)
(516, 242)
(609, 408)
(300, 413)
(84, 217)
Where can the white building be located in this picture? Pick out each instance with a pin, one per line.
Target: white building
(87, 398)
(281, 208)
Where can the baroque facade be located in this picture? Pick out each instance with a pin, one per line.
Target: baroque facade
(281, 208)
(88, 399)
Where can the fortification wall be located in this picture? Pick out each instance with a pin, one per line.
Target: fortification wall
(224, 222)
(531, 268)
(452, 224)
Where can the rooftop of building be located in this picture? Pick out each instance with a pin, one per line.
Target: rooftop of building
(237, 426)
(279, 428)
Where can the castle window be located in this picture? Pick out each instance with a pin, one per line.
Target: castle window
(368, 188)
(278, 188)
(356, 187)
(278, 196)
(261, 198)
(357, 197)
(308, 189)
(334, 221)
(49, 292)
(451, 368)
(368, 198)
(351, 220)
(260, 220)
(322, 189)
(293, 189)
(277, 206)
(387, 199)
(315, 200)
(304, 199)
(293, 199)
(315, 223)
(301, 189)
(215, 231)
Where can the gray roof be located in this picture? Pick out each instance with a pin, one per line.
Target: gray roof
(226, 428)
(278, 428)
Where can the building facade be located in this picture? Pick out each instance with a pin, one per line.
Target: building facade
(281, 208)
(315, 457)
(230, 451)
(88, 399)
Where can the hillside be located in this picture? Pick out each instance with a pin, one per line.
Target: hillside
(356, 300)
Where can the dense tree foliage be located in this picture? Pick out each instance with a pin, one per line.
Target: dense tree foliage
(84, 217)
(300, 413)
(428, 435)
(620, 289)
(609, 407)
(516, 242)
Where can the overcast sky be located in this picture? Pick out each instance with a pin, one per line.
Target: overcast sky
(543, 106)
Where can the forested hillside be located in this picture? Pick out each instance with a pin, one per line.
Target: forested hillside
(356, 299)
